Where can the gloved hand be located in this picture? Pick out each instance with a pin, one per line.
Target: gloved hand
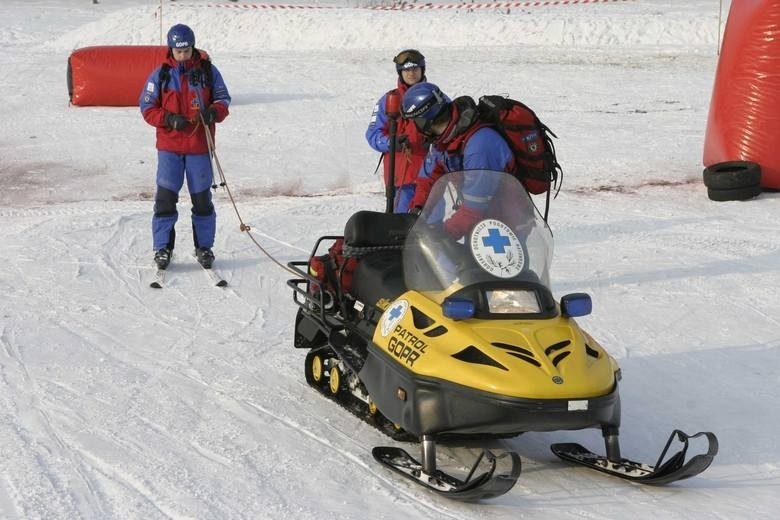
(402, 141)
(175, 121)
(416, 210)
(210, 115)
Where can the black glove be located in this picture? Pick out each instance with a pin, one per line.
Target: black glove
(402, 141)
(210, 115)
(416, 210)
(175, 121)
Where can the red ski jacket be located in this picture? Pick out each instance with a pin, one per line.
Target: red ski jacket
(186, 88)
(408, 160)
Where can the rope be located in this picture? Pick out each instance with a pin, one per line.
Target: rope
(223, 183)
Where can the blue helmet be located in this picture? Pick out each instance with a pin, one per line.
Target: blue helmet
(180, 37)
(408, 59)
(423, 103)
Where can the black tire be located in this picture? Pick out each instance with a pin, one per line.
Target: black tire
(734, 194)
(732, 175)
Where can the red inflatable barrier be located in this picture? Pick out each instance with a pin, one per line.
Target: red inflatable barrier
(744, 118)
(111, 75)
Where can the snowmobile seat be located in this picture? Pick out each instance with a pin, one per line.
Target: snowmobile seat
(371, 231)
(377, 239)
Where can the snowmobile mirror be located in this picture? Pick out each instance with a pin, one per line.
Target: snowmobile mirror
(576, 304)
(458, 308)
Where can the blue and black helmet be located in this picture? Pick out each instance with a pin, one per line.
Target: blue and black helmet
(180, 37)
(423, 103)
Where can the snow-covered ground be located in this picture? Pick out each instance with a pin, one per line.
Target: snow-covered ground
(118, 401)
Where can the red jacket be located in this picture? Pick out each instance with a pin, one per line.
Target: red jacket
(408, 160)
(191, 87)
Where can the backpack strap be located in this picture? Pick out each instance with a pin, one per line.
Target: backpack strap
(205, 66)
(164, 76)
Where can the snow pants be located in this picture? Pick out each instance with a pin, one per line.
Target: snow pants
(171, 171)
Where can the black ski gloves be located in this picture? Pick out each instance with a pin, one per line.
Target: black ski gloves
(175, 121)
(210, 115)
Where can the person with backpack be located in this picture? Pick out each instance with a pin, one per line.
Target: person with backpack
(459, 141)
(410, 146)
(183, 99)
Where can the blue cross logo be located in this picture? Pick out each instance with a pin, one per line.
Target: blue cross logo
(395, 312)
(495, 240)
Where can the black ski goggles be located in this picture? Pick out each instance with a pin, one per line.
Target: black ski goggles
(411, 57)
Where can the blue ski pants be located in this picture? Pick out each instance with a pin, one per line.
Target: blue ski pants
(171, 171)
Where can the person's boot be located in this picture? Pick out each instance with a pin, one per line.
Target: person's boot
(205, 256)
(162, 258)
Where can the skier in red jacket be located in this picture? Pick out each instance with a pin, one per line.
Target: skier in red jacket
(181, 95)
(410, 147)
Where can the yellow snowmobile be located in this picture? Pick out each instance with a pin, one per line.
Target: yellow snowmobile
(430, 336)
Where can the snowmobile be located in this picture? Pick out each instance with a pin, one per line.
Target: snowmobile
(432, 338)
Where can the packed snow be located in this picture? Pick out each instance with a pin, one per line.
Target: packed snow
(120, 401)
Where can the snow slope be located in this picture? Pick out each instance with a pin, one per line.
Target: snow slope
(117, 401)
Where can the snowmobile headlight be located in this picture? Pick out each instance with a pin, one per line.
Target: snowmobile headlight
(576, 304)
(513, 302)
(458, 308)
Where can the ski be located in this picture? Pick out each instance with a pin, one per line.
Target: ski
(159, 279)
(664, 472)
(215, 277)
(487, 484)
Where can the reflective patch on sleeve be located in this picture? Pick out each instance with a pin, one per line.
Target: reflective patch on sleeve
(150, 87)
(372, 122)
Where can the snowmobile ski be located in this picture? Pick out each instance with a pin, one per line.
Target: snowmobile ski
(664, 472)
(487, 484)
(159, 279)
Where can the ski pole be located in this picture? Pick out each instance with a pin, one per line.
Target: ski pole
(392, 108)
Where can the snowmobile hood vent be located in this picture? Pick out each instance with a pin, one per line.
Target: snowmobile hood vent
(472, 354)
(518, 352)
(421, 320)
(436, 331)
(555, 348)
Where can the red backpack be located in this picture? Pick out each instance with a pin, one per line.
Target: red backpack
(333, 270)
(535, 162)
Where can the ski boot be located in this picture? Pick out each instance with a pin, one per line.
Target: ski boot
(205, 256)
(162, 257)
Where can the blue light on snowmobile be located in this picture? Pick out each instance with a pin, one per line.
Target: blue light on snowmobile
(458, 308)
(576, 304)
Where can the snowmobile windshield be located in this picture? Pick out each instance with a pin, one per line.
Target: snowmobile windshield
(478, 227)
